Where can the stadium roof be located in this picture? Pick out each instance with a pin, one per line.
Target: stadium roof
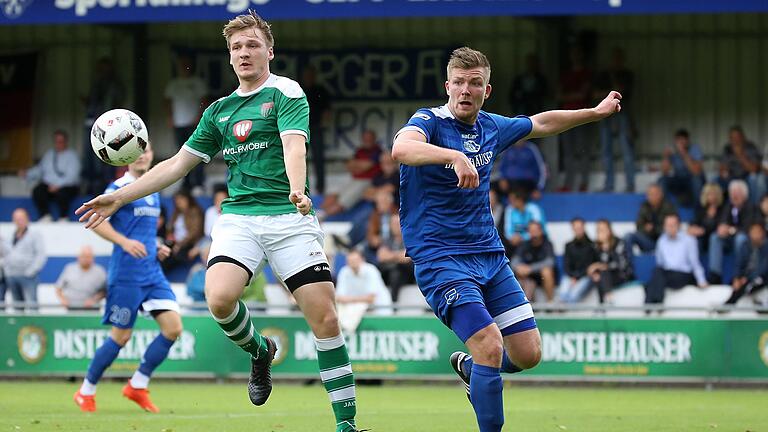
(124, 11)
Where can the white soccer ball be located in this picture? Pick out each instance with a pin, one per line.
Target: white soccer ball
(119, 137)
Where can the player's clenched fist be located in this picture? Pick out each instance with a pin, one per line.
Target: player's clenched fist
(302, 202)
(610, 105)
(466, 172)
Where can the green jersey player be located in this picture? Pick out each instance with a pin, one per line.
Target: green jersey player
(262, 130)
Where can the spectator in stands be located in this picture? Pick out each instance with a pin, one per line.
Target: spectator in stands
(213, 212)
(186, 229)
(82, 284)
(361, 282)
(378, 231)
(530, 89)
(614, 264)
(363, 168)
(185, 101)
(731, 233)
(534, 263)
(707, 216)
(196, 278)
(518, 214)
(742, 160)
(580, 253)
(23, 258)
(395, 267)
(388, 180)
(319, 114)
(522, 168)
(618, 77)
(58, 177)
(497, 210)
(575, 93)
(650, 220)
(106, 92)
(682, 172)
(752, 268)
(677, 262)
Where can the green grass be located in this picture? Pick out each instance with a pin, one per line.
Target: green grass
(48, 406)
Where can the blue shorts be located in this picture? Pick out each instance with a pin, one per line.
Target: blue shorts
(487, 279)
(124, 301)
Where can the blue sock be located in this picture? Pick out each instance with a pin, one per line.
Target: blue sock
(156, 352)
(105, 355)
(485, 391)
(506, 365)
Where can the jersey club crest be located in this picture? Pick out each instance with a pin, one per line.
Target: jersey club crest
(241, 130)
(266, 108)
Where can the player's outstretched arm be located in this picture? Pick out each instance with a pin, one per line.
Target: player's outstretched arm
(161, 176)
(411, 148)
(295, 159)
(555, 122)
(134, 248)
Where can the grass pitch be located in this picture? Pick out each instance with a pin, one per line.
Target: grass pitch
(48, 406)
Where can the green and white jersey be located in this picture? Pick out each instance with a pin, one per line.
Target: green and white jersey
(246, 128)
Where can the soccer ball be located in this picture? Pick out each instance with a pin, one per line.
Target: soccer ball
(119, 137)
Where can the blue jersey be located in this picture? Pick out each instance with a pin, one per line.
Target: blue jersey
(136, 220)
(439, 219)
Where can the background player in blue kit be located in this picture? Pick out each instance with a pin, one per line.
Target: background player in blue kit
(135, 283)
(449, 232)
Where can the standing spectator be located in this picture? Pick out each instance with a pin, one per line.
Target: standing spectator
(742, 160)
(650, 220)
(677, 262)
(106, 93)
(522, 168)
(731, 233)
(517, 216)
(213, 212)
(363, 168)
(529, 89)
(184, 101)
(706, 216)
(752, 267)
(580, 253)
(58, 173)
(575, 93)
(534, 263)
(395, 267)
(619, 126)
(319, 113)
(361, 282)
(82, 284)
(23, 258)
(186, 229)
(614, 265)
(682, 172)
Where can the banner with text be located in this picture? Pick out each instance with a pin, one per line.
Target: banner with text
(403, 347)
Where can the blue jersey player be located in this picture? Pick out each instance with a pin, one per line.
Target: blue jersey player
(135, 283)
(447, 154)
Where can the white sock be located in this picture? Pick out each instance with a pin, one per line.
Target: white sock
(139, 380)
(88, 388)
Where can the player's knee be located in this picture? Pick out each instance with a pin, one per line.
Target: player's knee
(328, 322)
(172, 330)
(121, 336)
(486, 346)
(529, 359)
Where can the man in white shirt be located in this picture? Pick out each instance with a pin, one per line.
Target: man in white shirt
(361, 282)
(82, 284)
(677, 262)
(58, 177)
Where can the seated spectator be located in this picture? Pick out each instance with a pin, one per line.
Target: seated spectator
(363, 168)
(580, 253)
(707, 215)
(23, 258)
(196, 278)
(752, 267)
(742, 160)
(82, 284)
(497, 210)
(58, 177)
(682, 174)
(764, 210)
(378, 232)
(534, 263)
(395, 267)
(677, 262)
(185, 229)
(614, 264)
(518, 214)
(731, 234)
(361, 282)
(388, 180)
(650, 219)
(213, 212)
(522, 168)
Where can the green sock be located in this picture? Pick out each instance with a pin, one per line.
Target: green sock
(239, 329)
(339, 382)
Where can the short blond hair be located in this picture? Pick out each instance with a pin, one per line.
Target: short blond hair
(711, 187)
(249, 20)
(467, 58)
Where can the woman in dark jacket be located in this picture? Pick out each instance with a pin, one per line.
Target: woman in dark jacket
(706, 218)
(613, 266)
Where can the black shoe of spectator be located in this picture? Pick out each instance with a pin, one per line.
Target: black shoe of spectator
(714, 279)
